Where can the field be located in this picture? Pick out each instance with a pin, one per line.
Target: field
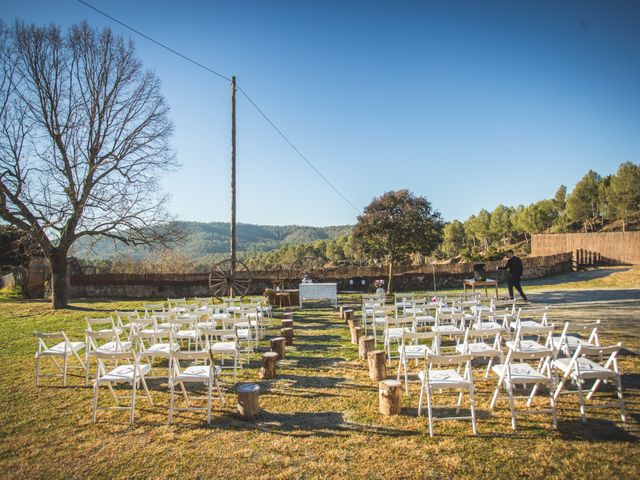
(320, 415)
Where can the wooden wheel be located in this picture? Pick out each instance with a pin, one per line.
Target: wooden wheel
(224, 281)
(312, 267)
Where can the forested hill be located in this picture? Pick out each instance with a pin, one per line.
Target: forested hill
(208, 240)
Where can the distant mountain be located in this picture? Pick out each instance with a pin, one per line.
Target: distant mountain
(205, 241)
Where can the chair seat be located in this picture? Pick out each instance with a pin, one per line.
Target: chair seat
(123, 373)
(161, 349)
(444, 379)
(224, 347)
(59, 349)
(425, 318)
(570, 341)
(486, 325)
(186, 334)
(521, 373)
(414, 351)
(448, 329)
(478, 349)
(450, 310)
(197, 373)
(528, 346)
(527, 324)
(111, 347)
(397, 332)
(588, 368)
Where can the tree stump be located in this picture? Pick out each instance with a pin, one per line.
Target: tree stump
(356, 333)
(353, 322)
(287, 333)
(287, 315)
(365, 345)
(277, 345)
(287, 323)
(377, 365)
(348, 314)
(390, 397)
(268, 369)
(248, 406)
(344, 308)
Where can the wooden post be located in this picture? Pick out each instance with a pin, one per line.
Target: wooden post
(341, 309)
(277, 345)
(389, 396)
(353, 322)
(287, 323)
(377, 365)
(232, 229)
(287, 333)
(268, 369)
(348, 314)
(366, 345)
(287, 315)
(356, 333)
(248, 406)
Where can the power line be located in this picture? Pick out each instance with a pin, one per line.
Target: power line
(228, 79)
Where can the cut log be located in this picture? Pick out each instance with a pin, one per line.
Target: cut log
(365, 345)
(287, 323)
(277, 345)
(377, 365)
(341, 310)
(353, 322)
(287, 333)
(356, 333)
(287, 315)
(390, 397)
(248, 406)
(268, 369)
(348, 314)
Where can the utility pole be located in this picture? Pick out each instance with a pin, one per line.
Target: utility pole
(233, 182)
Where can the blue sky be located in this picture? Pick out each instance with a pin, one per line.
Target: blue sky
(470, 104)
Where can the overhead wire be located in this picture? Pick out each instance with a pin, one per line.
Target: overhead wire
(228, 79)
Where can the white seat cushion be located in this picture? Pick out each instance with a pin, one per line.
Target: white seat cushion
(478, 349)
(447, 329)
(197, 373)
(160, 349)
(444, 378)
(124, 373)
(414, 351)
(397, 332)
(59, 349)
(521, 373)
(486, 325)
(186, 334)
(588, 368)
(223, 347)
(529, 346)
(111, 347)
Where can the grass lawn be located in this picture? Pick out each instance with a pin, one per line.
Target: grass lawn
(320, 415)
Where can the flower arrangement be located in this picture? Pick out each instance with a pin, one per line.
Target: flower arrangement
(378, 283)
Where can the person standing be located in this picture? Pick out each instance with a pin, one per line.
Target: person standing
(514, 271)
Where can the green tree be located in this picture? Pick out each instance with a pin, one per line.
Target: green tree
(479, 227)
(500, 224)
(396, 225)
(453, 238)
(582, 204)
(625, 191)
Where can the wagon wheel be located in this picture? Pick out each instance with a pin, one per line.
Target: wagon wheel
(223, 281)
(313, 267)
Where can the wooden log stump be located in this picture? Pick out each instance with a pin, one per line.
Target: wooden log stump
(377, 365)
(268, 369)
(277, 345)
(287, 315)
(341, 309)
(390, 397)
(287, 333)
(287, 323)
(348, 314)
(248, 406)
(356, 333)
(366, 344)
(353, 322)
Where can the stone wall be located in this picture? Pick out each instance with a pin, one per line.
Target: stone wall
(406, 278)
(614, 247)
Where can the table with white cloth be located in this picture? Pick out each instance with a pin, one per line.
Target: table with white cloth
(319, 291)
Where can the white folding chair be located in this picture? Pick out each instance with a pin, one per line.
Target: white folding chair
(413, 347)
(573, 335)
(104, 324)
(131, 373)
(580, 368)
(102, 341)
(474, 344)
(449, 325)
(153, 344)
(207, 374)
(447, 379)
(178, 305)
(64, 350)
(393, 330)
(225, 343)
(510, 373)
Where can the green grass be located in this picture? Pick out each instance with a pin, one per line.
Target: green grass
(319, 416)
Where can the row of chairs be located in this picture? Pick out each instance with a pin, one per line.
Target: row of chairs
(528, 363)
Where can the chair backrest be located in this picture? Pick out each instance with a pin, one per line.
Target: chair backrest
(587, 329)
(400, 322)
(437, 359)
(474, 333)
(191, 354)
(117, 356)
(97, 323)
(151, 308)
(450, 318)
(535, 313)
(528, 355)
(44, 338)
(598, 351)
(126, 318)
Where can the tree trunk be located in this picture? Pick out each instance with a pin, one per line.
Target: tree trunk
(59, 293)
(390, 279)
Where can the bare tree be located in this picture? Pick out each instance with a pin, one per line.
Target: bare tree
(84, 137)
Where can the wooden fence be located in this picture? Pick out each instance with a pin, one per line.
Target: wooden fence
(611, 247)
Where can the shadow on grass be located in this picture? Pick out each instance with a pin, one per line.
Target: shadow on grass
(594, 430)
(581, 276)
(585, 296)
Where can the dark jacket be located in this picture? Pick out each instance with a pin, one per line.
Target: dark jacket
(514, 266)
